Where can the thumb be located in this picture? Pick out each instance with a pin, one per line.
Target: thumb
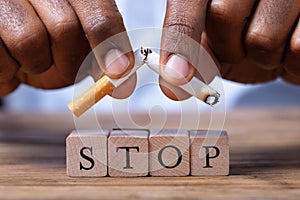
(183, 25)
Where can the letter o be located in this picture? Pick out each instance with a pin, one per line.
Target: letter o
(160, 157)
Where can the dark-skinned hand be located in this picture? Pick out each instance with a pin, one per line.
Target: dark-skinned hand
(44, 42)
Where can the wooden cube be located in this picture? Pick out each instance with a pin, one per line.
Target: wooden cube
(169, 153)
(209, 152)
(128, 153)
(86, 152)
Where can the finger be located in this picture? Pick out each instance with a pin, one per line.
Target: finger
(121, 92)
(183, 26)
(24, 35)
(248, 72)
(208, 64)
(292, 60)
(225, 27)
(269, 29)
(125, 89)
(50, 79)
(8, 87)
(68, 42)
(290, 78)
(173, 92)
(207, 69)
(8, 67)
(100, 21)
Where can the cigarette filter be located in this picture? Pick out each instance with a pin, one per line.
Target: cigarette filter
(101, 88)
(106, 85)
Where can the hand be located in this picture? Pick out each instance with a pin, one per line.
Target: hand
(252, 41)
(44, 42)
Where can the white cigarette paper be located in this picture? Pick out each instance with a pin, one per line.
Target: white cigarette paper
(195, 87)
(101, 88)
(105, 85)
(138, 62)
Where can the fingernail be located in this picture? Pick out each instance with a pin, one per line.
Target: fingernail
(177, 68)
(116, 62)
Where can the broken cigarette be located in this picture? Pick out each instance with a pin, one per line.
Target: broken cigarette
(195, 87)
(101, 88)
(106, 85)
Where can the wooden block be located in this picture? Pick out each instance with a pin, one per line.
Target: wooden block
(209, 153)
(169, 153)
(128, 153)
(87, 153)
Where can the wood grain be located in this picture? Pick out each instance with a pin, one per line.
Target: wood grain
(128, 153)
(86, 152)
(209, 152)
(169, 152)
(264, 159)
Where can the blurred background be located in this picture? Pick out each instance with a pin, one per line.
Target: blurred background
(141, 14)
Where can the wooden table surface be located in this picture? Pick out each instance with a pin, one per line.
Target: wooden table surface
(265, 162)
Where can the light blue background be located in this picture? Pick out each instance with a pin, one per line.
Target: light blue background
(141, 14)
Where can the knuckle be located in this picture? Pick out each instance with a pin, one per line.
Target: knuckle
(221, 13)
(61, 28)
(32, 51)
(183, 23)
(181, 26)
(224, 12)
(26, 42)
(186, 17)
(103, 25)
(261, 42)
